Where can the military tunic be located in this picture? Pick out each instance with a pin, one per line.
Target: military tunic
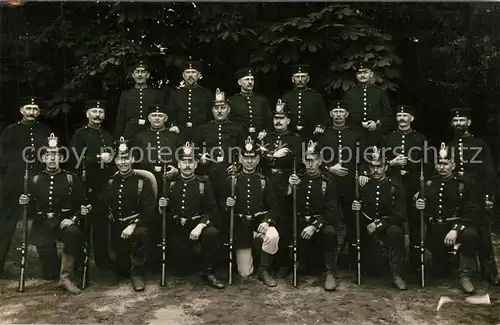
(190, 108)
(252, 111)
(307, 110)
(132, 115)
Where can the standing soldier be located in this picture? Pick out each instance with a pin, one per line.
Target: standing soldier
(154, 150)
(406, 151)
(341, 148)
(192, 214)
(56, 197)
(382, 204)
(451, 206)
(282, 150)
(475, 162)
(317, 212)
(250, 110)
(308, 113)
(190, 105)
(20, 143)
(132, 110)
(369, 107)
(132, 202)
(93, 144)
(255, 216)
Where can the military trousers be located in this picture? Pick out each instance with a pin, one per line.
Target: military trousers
(131, 253)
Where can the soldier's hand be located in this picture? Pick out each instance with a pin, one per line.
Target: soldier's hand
(196, 232)
(318, 130)
(371, 125)
(127, 232)
(204, 158)
(420, 204)
(356, 205)
(338, 170)
(24, 199)
(172, 171)
(489, 204)
(162, 202)
(263, 227)
(281, 152)
(294, 180)
(451, 238)
(262, 135)
(230, 202)
(371, 228)
(65, 223)
(363, 180)
(174, 129)
(400, 160)
(85, 209)
(308, 232)
(106, 157)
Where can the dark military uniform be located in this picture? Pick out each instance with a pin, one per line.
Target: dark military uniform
(410, 144)
(14, 140)
(90, 141)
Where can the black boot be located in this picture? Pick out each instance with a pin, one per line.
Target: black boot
(330, 268)
(396, 262)
(209, 277)
(67, 268)
(264, 276)
(466, 266)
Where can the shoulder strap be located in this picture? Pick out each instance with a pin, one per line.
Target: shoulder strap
(201, 186)
(70, 182)
(140, 185)
(35, 179)
(263, 184)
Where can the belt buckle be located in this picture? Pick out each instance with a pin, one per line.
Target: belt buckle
(189, 124)
(141, 121)
(248, 217)
(50, 215)
(403, 172)
(251, 129)
(220, 159)
(461, 173)
(157, 169)
(307, 218)
(299, 127)
(183, 221)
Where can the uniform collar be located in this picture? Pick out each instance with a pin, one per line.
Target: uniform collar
(315, 176)
(189, 179)
(94, 126)
(385, 180)
(52, 172)
(246, 94)
(405, 132)
(163, 128)
(140, 87)
(221, 122)
(27, 123)
(192, 87)
(282, 133)
(127, 174)
(339, 128)
(301, 90)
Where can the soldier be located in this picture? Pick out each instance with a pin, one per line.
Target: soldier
(190, 105)
(132, 202)
(132, 110)
(281, 151)
(453, 219)
(56, 197)
(154, 150)
(219, 138)
(249, 109)
(255, 216)
(92, 153)
(20, 142)
(308, 113)
(475, 162)
(406, 151)
(341, 147)
(192, 213)
(369, 107)
(317, 211)
(382, 204)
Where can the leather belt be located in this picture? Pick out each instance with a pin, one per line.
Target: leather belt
(299, 127)
(443, 221)
(183, 221)
(310, 218)
(189, 124)
(52, 215)
(249, 217)
(158, 169)
(251, 129)
(276, 170)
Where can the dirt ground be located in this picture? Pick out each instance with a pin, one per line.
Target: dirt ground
(189, 301)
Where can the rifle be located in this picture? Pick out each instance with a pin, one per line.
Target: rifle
(24, 244)
(86, 229)
(422, 229)
(358, 230)
(164, 231)
(231, 225)
(294, 239)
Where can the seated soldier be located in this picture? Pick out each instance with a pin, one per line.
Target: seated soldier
(56, 197)
(453, 215)
(192, 213)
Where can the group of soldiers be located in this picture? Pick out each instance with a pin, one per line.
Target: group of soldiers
(238, 171)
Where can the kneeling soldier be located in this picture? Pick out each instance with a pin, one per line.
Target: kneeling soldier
(382, 204)
(255, 213)
(57, 195)
(132, 203)
(317, 210)
(192, 212)
(450, 204)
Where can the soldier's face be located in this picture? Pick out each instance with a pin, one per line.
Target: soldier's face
(30, 112)
(157, 120)
(249, 163)
(364, 75)
(404, 119)
(246, 83)
(95, 115)
(339, 116)
(140, 76)
(445, 167)
(221, 111)
(281, 123)
(187, 167)
(378, 171)
(460, 123)
(124, 164)
(312, 163)
(52, 160)
(191, 76)
(300, 79)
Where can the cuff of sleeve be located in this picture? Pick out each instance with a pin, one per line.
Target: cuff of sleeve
(379, 223)
(205, 220)
(134, 221)
(269, 221)
(317, 224)
(75, 219)
(458, 227)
